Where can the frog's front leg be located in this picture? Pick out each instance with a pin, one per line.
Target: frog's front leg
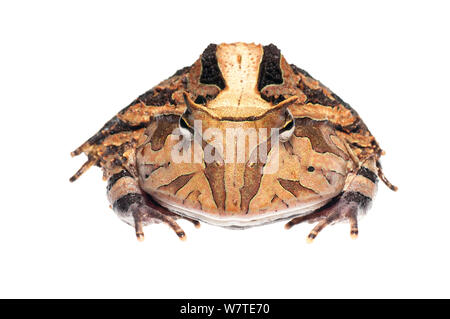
(136, 208)
(356, 198)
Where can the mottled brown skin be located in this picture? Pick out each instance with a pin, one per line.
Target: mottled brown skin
(328, 164)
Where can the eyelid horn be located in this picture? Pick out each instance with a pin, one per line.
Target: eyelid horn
(191, 105)
(282, 104)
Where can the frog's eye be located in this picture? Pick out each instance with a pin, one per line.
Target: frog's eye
(288, 128)
(186, 129)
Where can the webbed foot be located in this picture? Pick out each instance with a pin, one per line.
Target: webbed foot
(138, 209)
(345, 207)
(144, 214)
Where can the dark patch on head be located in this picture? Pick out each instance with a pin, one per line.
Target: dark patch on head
(176, 184)
(166, 125)
(211, 73)
(113, 126)
(273, 99)
(122, 204)
(367, 173)
(203, 99)
(356, 197)
(269, 68)
(114, 178)
(200, 100)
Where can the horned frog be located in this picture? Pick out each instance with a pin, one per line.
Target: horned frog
(239, 139)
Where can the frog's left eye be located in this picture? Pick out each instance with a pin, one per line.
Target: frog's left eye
(287, 130)
(186, 129)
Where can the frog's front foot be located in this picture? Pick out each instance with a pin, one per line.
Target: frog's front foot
(144, 214)
(138, 209)
(345, 207)
(152, 213)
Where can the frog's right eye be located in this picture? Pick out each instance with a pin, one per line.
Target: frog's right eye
(288, 128)
(185, 128)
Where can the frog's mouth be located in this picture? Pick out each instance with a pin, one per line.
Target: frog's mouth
(242, 221)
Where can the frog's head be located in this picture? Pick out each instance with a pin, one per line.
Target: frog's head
(231, 134)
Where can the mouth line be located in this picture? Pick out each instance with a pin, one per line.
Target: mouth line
(241, 221)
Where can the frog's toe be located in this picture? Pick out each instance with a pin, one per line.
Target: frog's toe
(196, 223)
(144, 214)
(340, 214)
(353, 219)
(345, 207)
(135, 207)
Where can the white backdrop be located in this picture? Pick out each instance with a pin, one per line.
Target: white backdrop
(66, 68)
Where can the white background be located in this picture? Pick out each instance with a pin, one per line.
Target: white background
(68, 67)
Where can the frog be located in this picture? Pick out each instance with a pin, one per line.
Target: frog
(238, 139)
